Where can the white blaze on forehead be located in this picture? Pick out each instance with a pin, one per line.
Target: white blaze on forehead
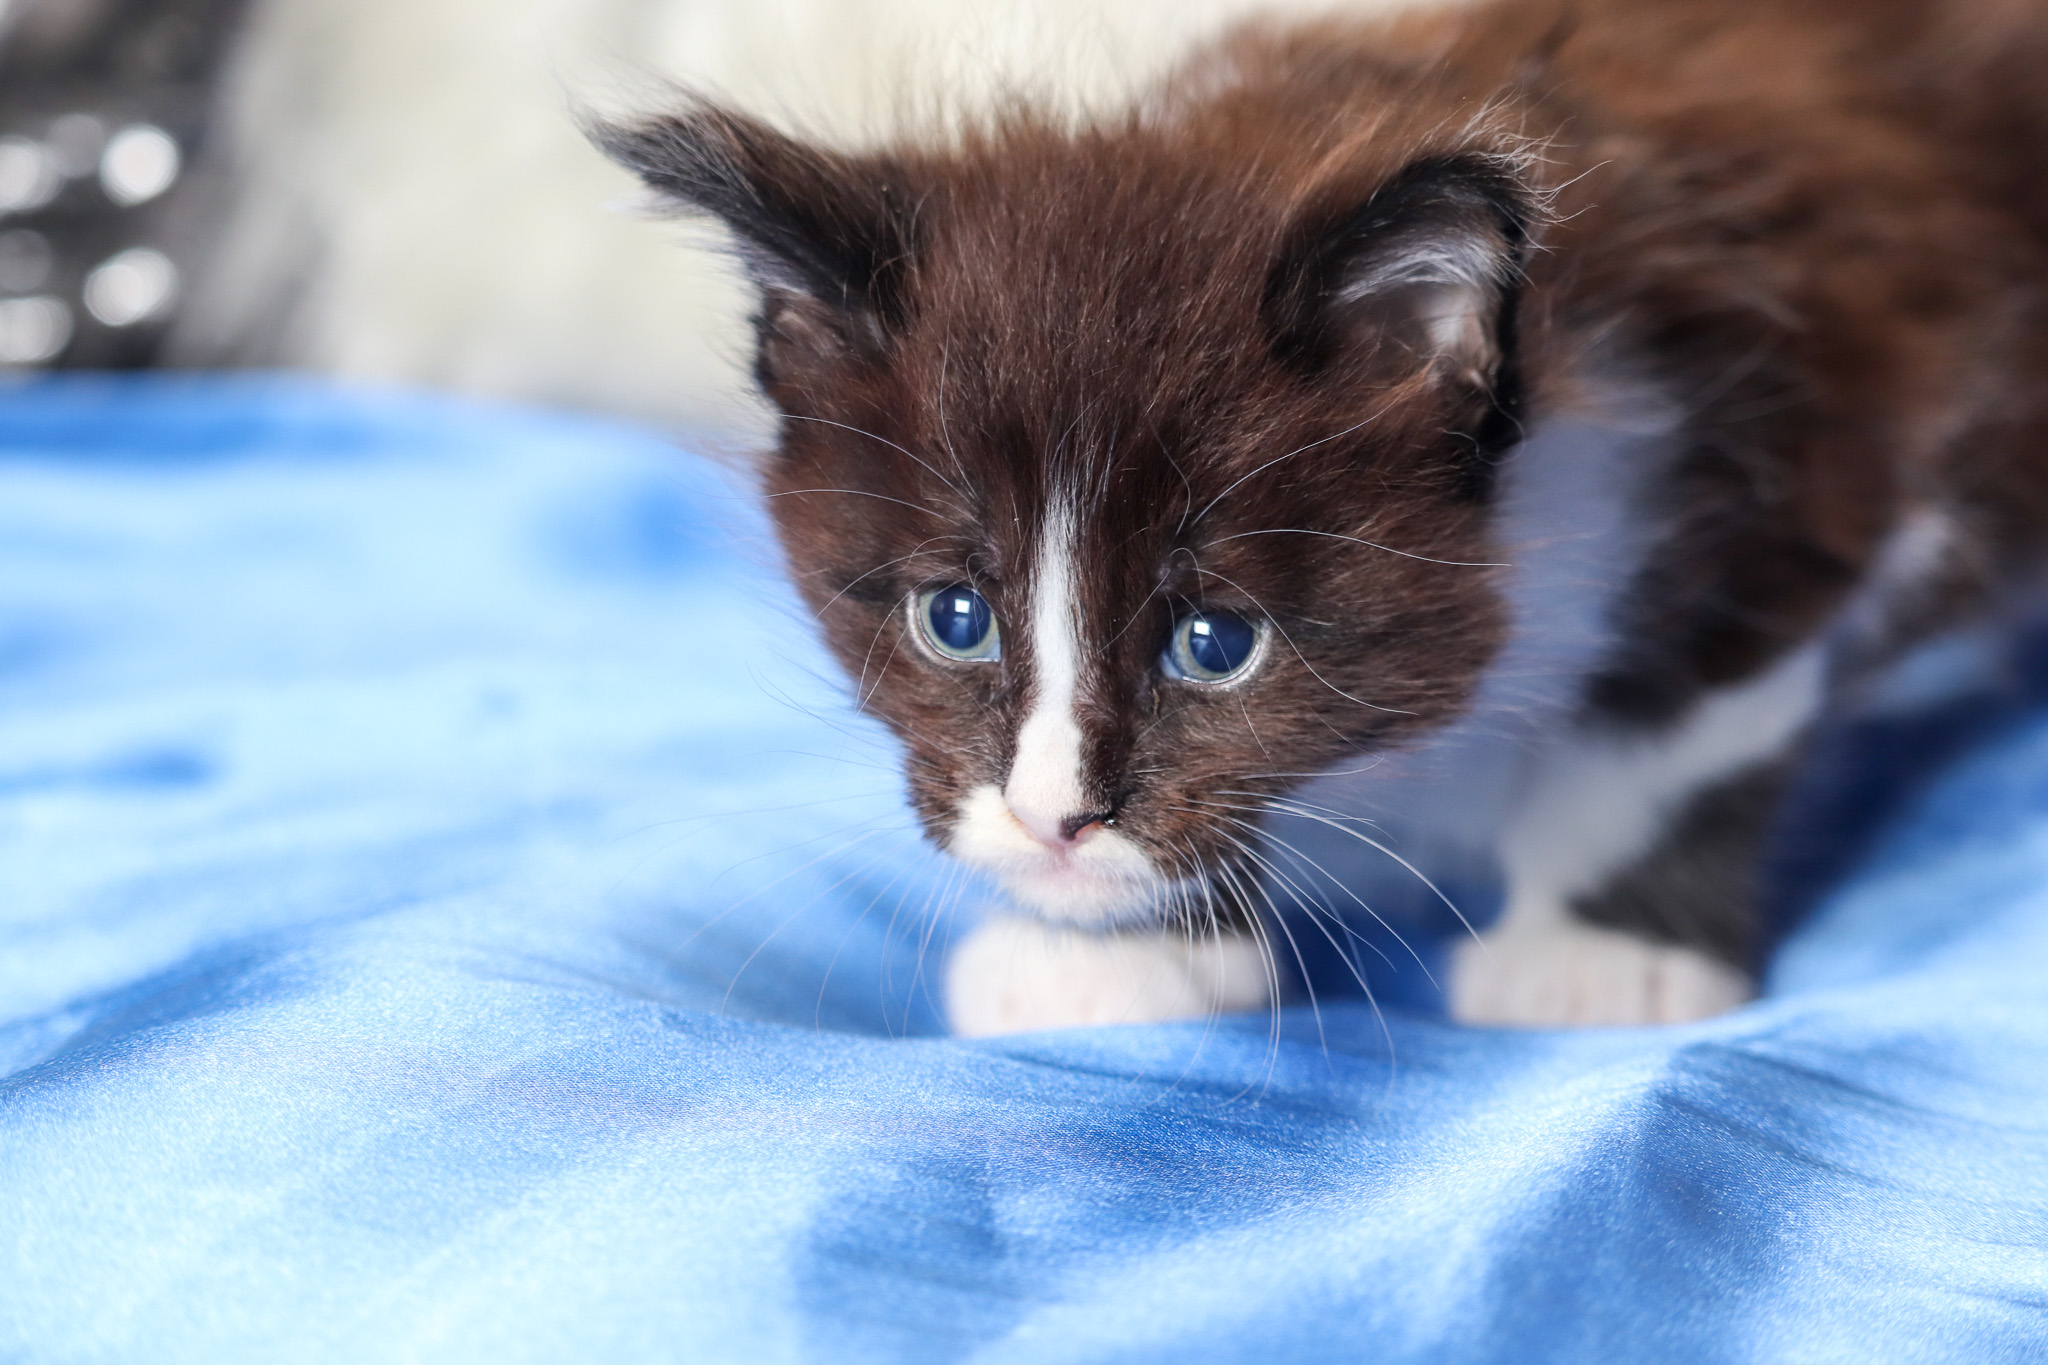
(1046, 784)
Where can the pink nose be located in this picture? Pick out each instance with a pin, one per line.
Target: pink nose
(1056, 830)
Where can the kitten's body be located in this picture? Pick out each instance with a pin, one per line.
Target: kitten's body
(1577, 397)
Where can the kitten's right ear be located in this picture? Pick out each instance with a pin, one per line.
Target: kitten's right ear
(826, 237)
(1425, 270)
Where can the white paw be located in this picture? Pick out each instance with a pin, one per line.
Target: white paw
(1013, 975)
(1578, 974)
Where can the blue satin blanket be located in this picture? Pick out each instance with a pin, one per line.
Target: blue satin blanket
(449, 912)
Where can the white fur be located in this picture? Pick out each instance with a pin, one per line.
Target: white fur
(1014, 975)
(1459, 259)
(1571, 974)
(1921, 547)
(1104, 879)
(1569, 525)
(1101, 877)
(1456, 278)
(1047, 782)
(1914, 554)
(1513, 785)
(1598, 803)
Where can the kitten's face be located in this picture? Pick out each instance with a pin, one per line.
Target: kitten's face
(1130, 500)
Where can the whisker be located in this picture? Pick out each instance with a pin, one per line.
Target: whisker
(1374, 706)
(1197, 878)
(1370, 545)
(1333, 879)
(1340, 827)
(1301, 964)
(705, 926)
(1184, 919)
(819, 614)
(1210, 506)
(1280, 923)
(1307, 902)
(1315, 917)
(1377, 760)
(863, 693)
(826, 421)
(832, 964)
(855, 493)
(1268, 957)
(791, 918)
(917, 972)
(945, 434)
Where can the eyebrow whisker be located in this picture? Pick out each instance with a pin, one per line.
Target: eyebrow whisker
(1370, 545)
(857, 431)
(1210, 506)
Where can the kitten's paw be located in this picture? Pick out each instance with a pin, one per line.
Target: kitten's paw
(1013, 975)
(1579, 974)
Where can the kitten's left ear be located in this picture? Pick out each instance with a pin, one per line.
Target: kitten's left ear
(827, 236)
(1424, 272)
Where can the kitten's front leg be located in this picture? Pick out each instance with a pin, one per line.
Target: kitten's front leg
(1633, 868)
(1569, 974)
(1654, 942)
(1015, 975)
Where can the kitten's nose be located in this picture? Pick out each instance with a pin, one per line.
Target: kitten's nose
(1054, 829)
(1047, 788)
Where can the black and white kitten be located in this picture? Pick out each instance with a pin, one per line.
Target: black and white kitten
(1515, 425)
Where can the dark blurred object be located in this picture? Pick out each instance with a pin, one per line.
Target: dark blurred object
(104, 107)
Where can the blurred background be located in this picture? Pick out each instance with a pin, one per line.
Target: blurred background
(395, 189)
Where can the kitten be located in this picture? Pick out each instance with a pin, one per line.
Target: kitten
(1517, 424)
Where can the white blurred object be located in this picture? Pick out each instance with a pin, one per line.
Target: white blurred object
(32, 330)
(28, 175)
(132, 287)
(412, 200)
(140, 163)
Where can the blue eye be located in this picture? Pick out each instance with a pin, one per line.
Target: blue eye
(958, 622)
(1211, 646)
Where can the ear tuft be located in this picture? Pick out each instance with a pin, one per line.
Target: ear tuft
(1428, 266)
(826, 236)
